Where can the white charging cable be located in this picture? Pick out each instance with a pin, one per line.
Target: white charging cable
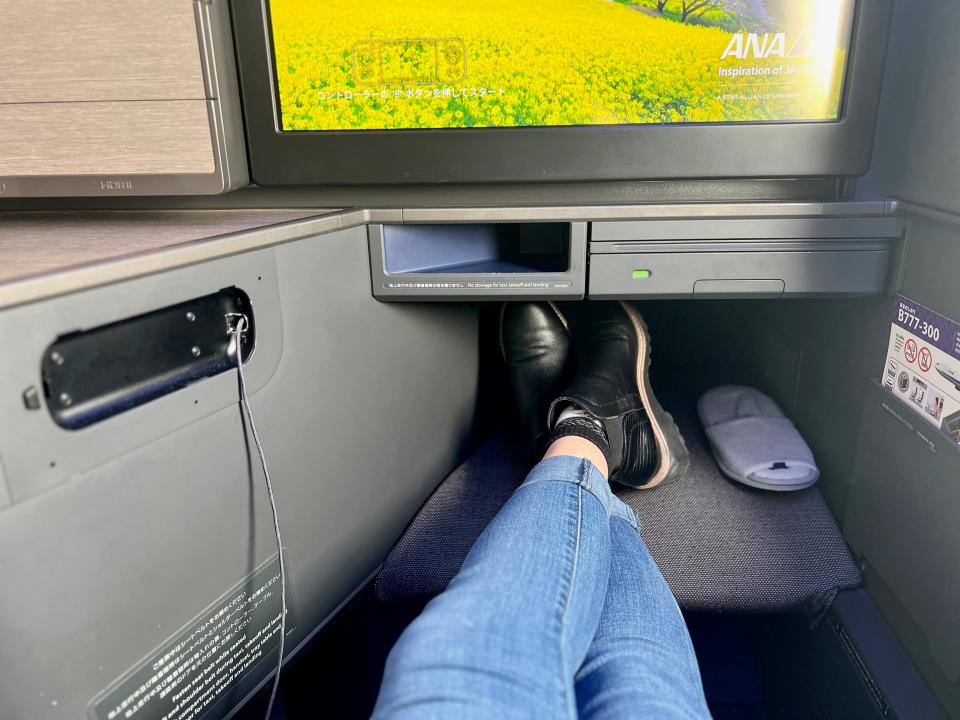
(237, 325)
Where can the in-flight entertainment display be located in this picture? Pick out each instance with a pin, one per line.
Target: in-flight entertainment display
(420, 64)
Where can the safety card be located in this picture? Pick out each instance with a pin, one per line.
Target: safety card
(923, 364)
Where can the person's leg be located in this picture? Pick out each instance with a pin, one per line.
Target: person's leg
(507, 636)
(641, 661)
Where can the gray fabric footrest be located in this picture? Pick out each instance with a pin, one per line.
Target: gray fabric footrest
(721, 546)
(434, 545)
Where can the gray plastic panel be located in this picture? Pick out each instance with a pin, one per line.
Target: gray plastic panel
(98, 571)
(4, 491)
(902, 517)
(38, 454)
(929, 276)
(723, 288)
(479, 286)
(736, 229)
(860, 624)
(678, 274)
(698, 246)
(926, 138)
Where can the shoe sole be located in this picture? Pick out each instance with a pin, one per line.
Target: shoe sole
(674, 457)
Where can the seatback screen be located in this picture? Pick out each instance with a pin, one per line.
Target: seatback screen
(421, 64)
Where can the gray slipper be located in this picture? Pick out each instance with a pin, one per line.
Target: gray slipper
(753, 442)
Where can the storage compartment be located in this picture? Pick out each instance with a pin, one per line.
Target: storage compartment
(533, 248)
(740, 258)
(687, 272)
(477, 261)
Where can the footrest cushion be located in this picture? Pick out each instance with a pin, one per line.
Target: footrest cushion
(721, 546)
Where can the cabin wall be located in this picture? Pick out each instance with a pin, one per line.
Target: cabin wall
(122, 531)
(904, 492)
(916, 156)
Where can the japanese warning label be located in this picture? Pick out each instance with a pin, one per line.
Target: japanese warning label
(182, 679)
(923, 364)
(477, 285)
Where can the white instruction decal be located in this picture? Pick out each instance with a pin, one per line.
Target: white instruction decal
(923, 364)
(189, 673)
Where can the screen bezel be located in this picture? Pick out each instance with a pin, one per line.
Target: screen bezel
(538, 154)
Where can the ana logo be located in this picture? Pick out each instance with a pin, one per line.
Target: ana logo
(747, 45)
(764, 45)
(116, 185)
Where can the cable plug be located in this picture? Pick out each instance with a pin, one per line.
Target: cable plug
(237, 324)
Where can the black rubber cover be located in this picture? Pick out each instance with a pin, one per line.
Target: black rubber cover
(91, 375)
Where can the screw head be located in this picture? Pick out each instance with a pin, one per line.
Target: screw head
(31, 398)
(56, 358)
(65, 399)
(195, 351)
(191, 316)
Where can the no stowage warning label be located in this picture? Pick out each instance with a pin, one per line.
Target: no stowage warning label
(183, 678)
(477, 284)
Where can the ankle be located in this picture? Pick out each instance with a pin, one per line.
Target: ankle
(578, 447)
(569, 419)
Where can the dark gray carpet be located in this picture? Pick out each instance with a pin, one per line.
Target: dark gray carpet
(721, 546)
(431, 550)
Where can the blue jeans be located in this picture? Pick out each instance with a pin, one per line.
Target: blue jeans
(558, 612)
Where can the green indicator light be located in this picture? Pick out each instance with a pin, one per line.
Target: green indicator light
(641, 274)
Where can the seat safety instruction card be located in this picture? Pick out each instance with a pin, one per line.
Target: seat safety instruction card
(923, 364)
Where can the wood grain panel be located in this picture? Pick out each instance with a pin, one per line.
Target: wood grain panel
(61, 50)
(109, 138)
(38, 243)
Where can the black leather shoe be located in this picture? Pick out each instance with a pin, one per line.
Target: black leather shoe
(535, 344)
(612, 385)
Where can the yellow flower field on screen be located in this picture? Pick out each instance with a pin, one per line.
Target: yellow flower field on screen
(350, 64)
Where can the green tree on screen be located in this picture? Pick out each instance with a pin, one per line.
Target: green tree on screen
(692, 8)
